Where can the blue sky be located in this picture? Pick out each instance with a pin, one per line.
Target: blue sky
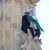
(43, 14)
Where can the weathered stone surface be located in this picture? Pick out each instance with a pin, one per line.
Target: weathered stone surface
(11, 36)
(31, 44)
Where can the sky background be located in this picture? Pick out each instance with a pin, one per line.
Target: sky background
(43, 15)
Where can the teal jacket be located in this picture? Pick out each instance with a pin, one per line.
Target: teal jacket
(30, 18)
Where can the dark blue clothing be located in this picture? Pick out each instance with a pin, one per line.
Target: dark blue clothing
(26, 25)
(25, 22)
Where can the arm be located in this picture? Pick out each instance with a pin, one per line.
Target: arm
(35, 21)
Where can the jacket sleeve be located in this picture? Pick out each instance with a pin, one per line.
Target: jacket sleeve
(36, 22)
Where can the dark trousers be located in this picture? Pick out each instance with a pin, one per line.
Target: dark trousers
(32, 32)
(37, 31)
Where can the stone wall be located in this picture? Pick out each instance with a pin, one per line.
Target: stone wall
(11, 11)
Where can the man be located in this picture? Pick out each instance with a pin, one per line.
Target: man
(26, 25)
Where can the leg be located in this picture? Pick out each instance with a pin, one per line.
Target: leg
(32, 32)
(37, 32)
(37, 35)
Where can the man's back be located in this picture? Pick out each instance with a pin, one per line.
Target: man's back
(25, 22)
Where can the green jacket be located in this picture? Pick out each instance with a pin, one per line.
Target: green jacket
(30, 18)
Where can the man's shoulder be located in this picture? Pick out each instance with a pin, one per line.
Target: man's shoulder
(24, 16)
